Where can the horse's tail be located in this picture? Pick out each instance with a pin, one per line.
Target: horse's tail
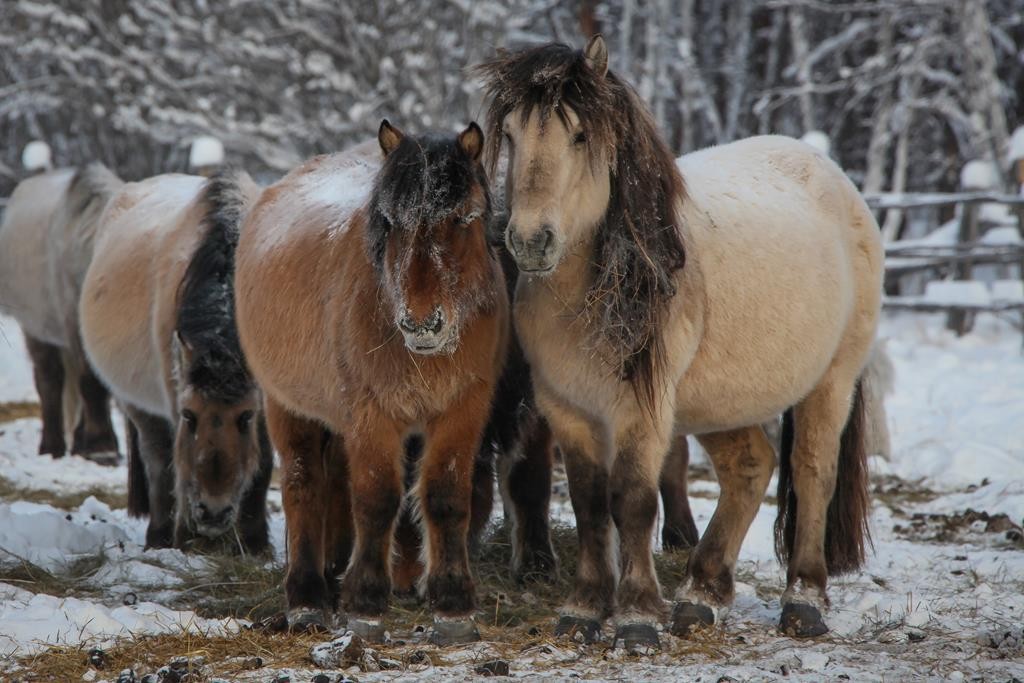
(877, 382)
(847, 535)
(138, 485)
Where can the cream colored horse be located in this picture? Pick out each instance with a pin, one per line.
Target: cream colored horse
(46, 244)
(157, 322)
(698, 298)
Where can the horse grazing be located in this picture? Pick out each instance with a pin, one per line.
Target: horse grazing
(701, 297)
(46, 244)
(369, 302)
(157, 320)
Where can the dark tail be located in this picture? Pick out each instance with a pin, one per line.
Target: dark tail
(847, 536)
(138, 486)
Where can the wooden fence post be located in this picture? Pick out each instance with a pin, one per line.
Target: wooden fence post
(959, 320)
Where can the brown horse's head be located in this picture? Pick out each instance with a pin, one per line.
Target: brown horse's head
(426, 233)
(588, 172)
(221, 447)
(217, 449)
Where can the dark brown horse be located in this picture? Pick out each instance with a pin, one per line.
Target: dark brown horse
(370, 302)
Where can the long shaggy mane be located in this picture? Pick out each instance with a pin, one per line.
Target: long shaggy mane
(206, 299)
(638, 246)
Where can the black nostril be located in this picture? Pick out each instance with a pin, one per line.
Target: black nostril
(225, 514)
(407, 323)
(549, 236)
(436, 321)
(514, 238)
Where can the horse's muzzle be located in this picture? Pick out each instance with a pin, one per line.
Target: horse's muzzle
(428, 336)
(212, 522)
(537, 255)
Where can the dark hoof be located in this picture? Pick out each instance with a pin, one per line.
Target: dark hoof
(637, 637)
(454, 632)
(679, 538)
(688, 617)
(105, 458)
(576, 627)
(370, 630)
(307, 620)
(801, 620)
(275, 623)
(538, 568)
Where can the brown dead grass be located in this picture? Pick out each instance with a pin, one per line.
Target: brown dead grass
(17, 410)
(64, 500)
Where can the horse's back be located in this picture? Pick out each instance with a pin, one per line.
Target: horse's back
(145, 239)
(791, 261)
(287, 266)
(24, 285)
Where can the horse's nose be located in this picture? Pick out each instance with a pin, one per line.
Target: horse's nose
(536, 252)
(432, 324)
(214, 518)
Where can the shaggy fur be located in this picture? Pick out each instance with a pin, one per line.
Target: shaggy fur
(638, 247)
(206, 299)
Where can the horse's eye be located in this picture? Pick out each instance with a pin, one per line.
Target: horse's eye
(244, 420)
(191, 421)
(508, 139)
(579, 138)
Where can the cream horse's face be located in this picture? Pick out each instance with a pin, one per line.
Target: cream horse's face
(557, 190)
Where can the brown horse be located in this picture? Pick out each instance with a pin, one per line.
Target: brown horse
(369, 302)
(46, 244)
(157, 321)
(659, 299)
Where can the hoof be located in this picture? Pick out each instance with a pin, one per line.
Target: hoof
(307, 620)
(688, 617)
(640, 638)
(370, 630)
(576, 627)
(105, 458)
(801, 620)
(453, 632)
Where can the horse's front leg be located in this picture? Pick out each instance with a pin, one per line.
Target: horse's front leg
(584, 451)
(743, 460)
(252, 518)
(156, 450)
(528, 484)
(374, 451)
(300, 444)
(635, 473)
(445, 495)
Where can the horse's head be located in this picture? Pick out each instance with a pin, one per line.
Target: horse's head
(426, 233)
(551, 106)
(217, 448)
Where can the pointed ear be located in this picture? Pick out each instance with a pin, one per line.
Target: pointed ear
(181, 352)
(388, 136)
(471, 141)
(596, 53)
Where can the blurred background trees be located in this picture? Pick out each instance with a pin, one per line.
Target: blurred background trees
(907, 90)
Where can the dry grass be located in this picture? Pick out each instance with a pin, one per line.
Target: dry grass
(16, 410)
(64, 500)
(73, 578)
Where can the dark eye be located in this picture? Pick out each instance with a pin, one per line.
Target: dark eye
(190, 420)
(244, 420)
(579, 138)
(508, 139)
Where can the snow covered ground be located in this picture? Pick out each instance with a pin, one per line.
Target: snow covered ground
(942, 598)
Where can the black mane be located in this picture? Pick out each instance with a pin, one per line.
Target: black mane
(638, 246)
(206, 300)
(421, 182)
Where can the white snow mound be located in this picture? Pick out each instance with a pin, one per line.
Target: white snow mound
(36, 156)
(206, 150)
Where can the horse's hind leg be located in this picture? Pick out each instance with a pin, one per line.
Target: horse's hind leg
(528, 485)
(94, 434)
(824, 534)
(156, 450)
(299, 443)
(48, 372)
(338, 521)
(743, 460)
(679, 530)
(407, 566)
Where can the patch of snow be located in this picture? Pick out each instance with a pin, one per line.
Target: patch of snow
(951, 292)
(818, 140)
(1016, 146)
(36, 156)
(980, 174)
(206, 150)
(16, 383)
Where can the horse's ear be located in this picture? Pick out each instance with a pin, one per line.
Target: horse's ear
(596, 53)
(182, 353)
(389, 137)
(471, 141)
